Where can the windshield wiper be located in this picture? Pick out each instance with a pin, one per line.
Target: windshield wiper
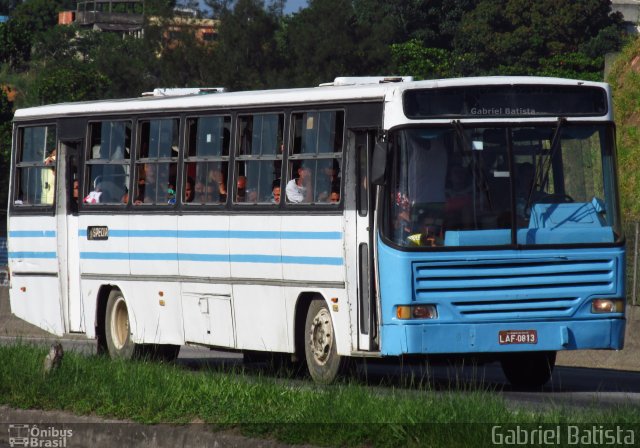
(544, 166)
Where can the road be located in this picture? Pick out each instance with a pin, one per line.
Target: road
(575, 381)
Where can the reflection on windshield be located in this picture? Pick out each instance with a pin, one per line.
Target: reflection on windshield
(455, 186)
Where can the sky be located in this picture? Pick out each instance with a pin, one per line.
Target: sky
(294, 5)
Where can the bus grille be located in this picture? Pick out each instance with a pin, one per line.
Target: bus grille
(512, 289)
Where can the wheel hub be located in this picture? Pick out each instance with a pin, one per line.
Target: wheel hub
(321, 337)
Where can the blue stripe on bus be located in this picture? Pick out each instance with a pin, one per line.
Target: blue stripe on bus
(32, 255)
(222, 234)
(239, 258)
(32, 234)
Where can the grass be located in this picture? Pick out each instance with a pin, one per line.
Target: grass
(625, 81)
(346, 414)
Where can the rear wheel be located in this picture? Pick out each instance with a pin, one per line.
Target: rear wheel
(117, 328)
(528, 370)
(323, 361)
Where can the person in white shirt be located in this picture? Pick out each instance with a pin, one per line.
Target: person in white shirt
(299, 189)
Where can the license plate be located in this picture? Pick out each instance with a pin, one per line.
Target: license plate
(518, 337)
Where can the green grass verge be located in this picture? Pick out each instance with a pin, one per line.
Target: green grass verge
(346, 414)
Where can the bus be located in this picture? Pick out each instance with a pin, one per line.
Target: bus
(369, 217)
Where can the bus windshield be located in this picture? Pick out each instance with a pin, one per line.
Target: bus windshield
(453, 186)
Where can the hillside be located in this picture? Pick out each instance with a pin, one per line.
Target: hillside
(625, 81)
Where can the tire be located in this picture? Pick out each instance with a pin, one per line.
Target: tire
(117, 328)
(528, 370)
(323, 362)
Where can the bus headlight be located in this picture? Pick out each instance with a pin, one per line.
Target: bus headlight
(607, 306)
(416, 312)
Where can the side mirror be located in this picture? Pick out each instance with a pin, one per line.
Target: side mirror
(379, 163)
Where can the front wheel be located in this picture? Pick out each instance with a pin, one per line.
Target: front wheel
(323, 361)
(528, 370)
(117, 328)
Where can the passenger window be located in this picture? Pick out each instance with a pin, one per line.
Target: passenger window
(315, 161)
(35, 166)
(156, 162)
(207, 160)
(108, 169)
(259, 159)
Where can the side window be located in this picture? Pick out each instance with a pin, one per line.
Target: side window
(108, 163)
(156, 162)
(35, 166)
(315, 161)
(207, 160)
(259, 158)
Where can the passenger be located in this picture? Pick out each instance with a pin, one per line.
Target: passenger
(216, 186)
(199, 195)
(125, 196)
(252, 195)
(48, 178)
(328, 182)
(334, 198)
(189, 191)
(75, 192)
(299, 189)
(146, 184)
(275, 193)
(241, 191)
(429, 232)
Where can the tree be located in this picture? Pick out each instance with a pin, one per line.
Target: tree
(412, 58)
(7, 6)
(517, 36)
(433, 23)
(6, 115)
(28, 22)
(245, 55)
(15, 45)
(325, 40)
(73, 81)
(219, 7)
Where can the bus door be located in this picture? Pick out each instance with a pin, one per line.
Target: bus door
(67, 234)
(365, 205)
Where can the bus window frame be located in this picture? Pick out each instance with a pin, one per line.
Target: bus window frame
(183, 159)
(137, 161)
(17, 138)
(293, 158)
(83, 171)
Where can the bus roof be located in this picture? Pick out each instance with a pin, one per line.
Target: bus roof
(314, 95)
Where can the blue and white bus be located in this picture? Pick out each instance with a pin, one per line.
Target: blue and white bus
(368, 217)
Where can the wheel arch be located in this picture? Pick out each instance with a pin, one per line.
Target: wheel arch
(303, 302)
(300, 315)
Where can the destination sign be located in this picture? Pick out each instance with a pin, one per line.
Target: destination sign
(505, 101)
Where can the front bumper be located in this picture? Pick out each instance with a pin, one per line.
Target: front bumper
(434, 338)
